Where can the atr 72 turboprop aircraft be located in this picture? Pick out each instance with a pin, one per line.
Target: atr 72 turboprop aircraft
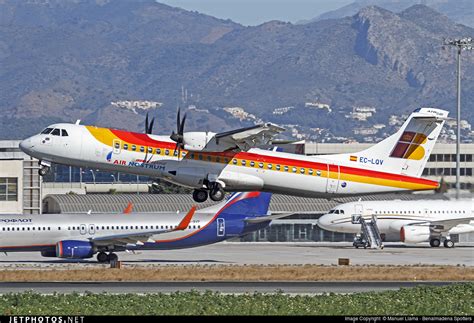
(406, 221)
(80, 236)
(211, 163)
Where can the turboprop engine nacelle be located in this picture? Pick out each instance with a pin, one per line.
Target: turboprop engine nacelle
(414, 233)
(196, 141)
(188, 176)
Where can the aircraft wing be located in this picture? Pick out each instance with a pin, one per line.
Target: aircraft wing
(138, 238)
(268, 218)
(245, 138)
(445, 225)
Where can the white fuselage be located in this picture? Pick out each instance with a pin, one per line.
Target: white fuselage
(391, 216)
(256, 169)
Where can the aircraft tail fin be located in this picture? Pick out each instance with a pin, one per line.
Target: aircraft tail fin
(244, 205)
(407, 151)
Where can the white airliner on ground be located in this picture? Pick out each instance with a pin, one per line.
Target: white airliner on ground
(406, 221)
(211, 163)
(80, 236)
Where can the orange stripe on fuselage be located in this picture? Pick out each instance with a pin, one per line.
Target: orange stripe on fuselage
(107, 136)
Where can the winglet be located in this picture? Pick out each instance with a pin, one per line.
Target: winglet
(185, 221)
(129, 208)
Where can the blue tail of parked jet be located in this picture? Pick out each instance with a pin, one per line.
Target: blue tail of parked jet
(245, 205)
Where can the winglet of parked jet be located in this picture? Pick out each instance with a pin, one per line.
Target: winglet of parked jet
(129, 208)
(185, 221)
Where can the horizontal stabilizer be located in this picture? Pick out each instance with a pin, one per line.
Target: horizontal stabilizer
(267, 218)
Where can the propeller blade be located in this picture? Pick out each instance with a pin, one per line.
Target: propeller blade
(150, 127)
(146, 123)
(181, 129)
(178, 119)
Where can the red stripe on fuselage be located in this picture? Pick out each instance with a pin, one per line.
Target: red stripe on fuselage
(145, 140)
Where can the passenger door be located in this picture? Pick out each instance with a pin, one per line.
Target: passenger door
(91, 229)
(333, 178)
(83, 229)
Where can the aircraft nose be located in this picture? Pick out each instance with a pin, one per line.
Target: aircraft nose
(26, 145)
(324, 222)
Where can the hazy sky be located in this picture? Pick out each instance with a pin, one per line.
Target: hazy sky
(255, 12)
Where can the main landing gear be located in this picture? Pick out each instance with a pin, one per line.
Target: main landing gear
(447, 243)
(214, 191)
(102, 257)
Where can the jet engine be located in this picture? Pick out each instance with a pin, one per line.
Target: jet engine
(74, 249)
(414, 233)
(48, 253)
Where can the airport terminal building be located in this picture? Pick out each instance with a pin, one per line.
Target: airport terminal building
(22, 191)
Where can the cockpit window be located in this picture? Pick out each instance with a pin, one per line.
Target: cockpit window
(337, 212)
(46, 131)
(331, 211)
(56, 132)
(64, 133)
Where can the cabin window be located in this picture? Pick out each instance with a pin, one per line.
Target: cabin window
(121, 227)
(142, 149)
(234, 161)
(183, 154)
(209, 158)
(218, 159)
(260, 165)
(146, 227)
(49, 228)
(278, 167)
(158, 151)
(125, 146)
(162, 227)
(302, 170)
(108, 227)
(23, 229)
(244, 162)
(252, 163)
(200, 156)
(134, 147)
(286, 168)
(310, 171)
(64, 133)
(141, 227)
(226, 160)
(269, 166)
(59, 228)
(167, 152)
(126, 228)
(150, 150)
(294, 169)
(175, 153)
(55, 132)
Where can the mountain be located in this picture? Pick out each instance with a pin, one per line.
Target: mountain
(460, 11)
(68, 60)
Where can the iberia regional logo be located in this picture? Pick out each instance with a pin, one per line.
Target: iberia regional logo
(109, 156)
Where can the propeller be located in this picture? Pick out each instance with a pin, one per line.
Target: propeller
(179, 136)
(149, 127)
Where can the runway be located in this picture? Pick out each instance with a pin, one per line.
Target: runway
(232, 253)
(222, 287)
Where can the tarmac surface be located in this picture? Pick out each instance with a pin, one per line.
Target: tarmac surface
(231, 253)
(309, 288)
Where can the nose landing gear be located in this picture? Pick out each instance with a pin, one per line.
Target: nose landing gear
(44, 167)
